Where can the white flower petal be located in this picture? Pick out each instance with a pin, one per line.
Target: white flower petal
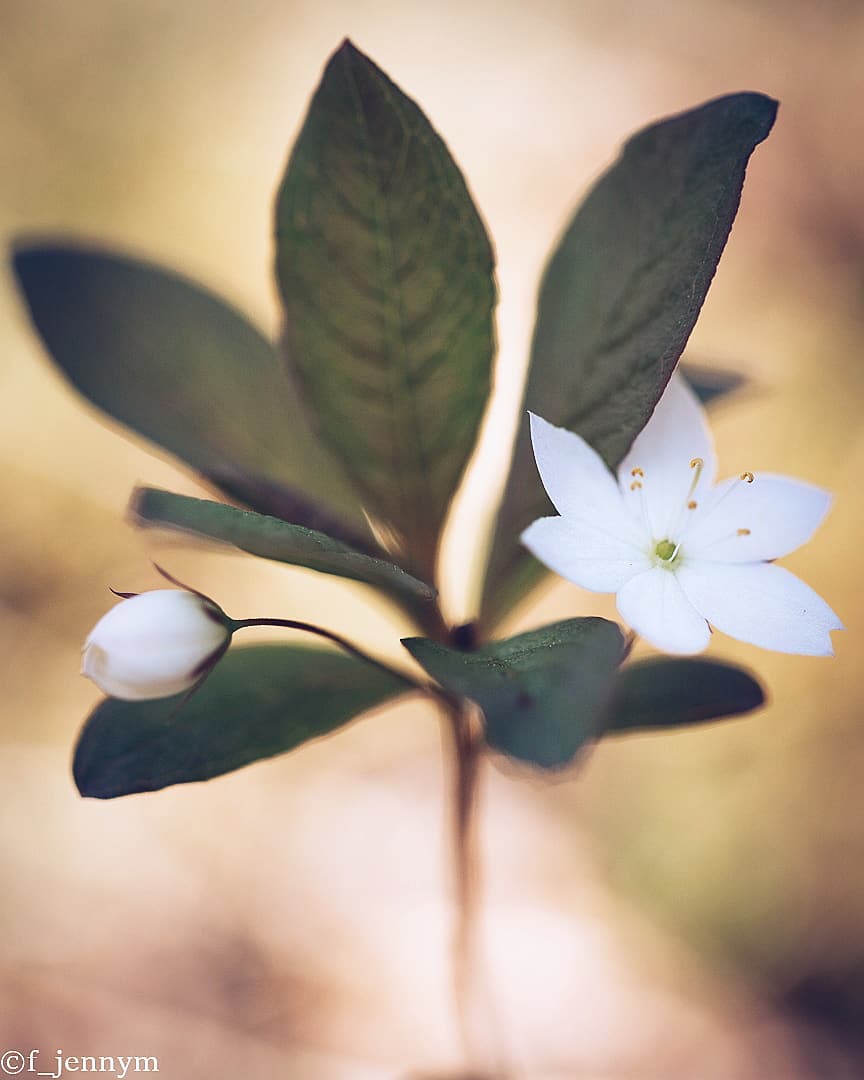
(154, 644)
(761, 604)
(585, 555)
(780, 513)
(578, 482)
(655, 606)
(676, 434)
(134, 678)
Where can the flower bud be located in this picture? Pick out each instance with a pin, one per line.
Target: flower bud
(155, 644)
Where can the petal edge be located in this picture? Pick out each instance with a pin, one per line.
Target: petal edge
(763, 605)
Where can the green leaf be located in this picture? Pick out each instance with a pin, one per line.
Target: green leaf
(386, 274)
(259, 701)
(664, 693)
(270, 538)
(619, 298)
(543, 693)
(711, 384)
(180, 366)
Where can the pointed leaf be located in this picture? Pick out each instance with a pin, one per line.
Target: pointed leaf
(543, 693)
(385, 271)
(619, 298)
(270, 538)
(178, 365)
(664, 693)
(259, 701)
(711, 384)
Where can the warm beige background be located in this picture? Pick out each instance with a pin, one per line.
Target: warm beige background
(687, 906)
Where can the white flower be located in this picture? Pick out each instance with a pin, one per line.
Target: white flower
(155, 644)
(679, 552)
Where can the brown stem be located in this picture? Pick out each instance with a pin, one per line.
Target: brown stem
(466, 755)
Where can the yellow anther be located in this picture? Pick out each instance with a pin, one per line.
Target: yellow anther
(696, 463)
(743, 532)
(692, 504)
(636, 472)
(748, 476)
(635, 485)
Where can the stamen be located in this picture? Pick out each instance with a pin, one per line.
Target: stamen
(744, 478)
(636, 485)
(698, 464)
(723, 539)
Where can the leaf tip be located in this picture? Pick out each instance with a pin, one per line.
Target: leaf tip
(18, 254)
(751, 111)
(135, 506)
(29, 250)
(757, 695)
(763, 109)
(86, 783)
(24, 253)
(348, 52)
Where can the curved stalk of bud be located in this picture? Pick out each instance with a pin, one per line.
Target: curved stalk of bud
(164, 642)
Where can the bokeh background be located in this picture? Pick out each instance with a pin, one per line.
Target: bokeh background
(684, 906)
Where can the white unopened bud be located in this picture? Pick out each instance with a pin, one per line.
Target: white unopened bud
(155, 644)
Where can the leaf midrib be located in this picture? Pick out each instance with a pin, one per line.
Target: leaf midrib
(403, 448)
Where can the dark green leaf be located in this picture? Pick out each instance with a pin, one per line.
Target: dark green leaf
(664, 693)
(542, 693)
(178, 365)
(385, 271)
(270, 538)
(711, 384)
(259, 701)
(619, 298)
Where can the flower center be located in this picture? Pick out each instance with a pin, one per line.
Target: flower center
(666, 550)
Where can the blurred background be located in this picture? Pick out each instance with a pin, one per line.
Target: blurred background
(683, 906)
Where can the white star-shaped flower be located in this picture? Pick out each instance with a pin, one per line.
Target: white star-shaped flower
(679, 551)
